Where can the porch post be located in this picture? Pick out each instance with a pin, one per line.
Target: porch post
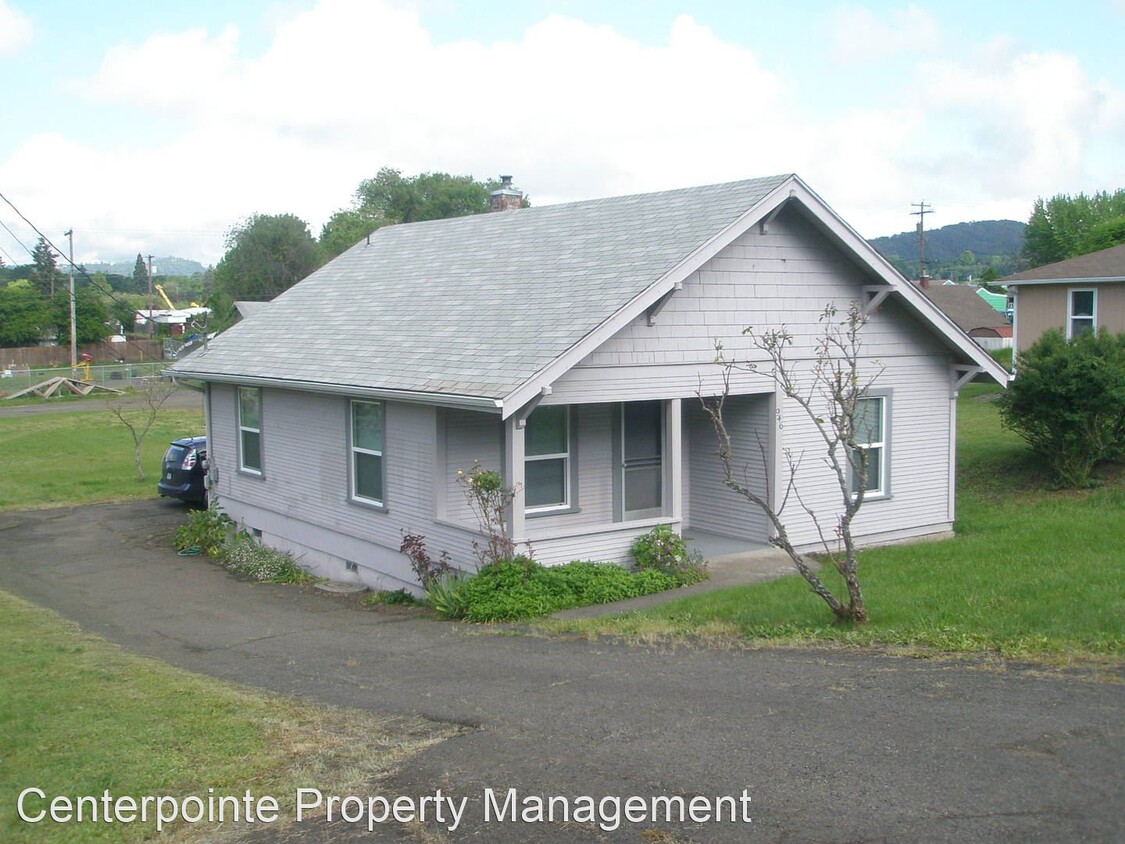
(514, 427)
(674, 426)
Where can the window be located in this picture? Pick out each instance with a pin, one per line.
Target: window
(870, 437)
(250, 429)
(547, 459)
(1081, 312)
(367, 451)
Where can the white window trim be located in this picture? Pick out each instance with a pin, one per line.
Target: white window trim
(1071, 316)
(882, 489)
(243, 429)
(355, 449)
(565, 457)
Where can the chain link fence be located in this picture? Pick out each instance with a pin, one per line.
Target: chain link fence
(118, 375)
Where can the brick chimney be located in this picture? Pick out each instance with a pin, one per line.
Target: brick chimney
(507, 197)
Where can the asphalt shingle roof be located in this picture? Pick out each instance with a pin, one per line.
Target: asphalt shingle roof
(475, 305)
(1105, 263)
(964, 306)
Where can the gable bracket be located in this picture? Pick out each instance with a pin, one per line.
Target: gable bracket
(964, 374)
(657, 306)
(525, 411)
(764, 223)
(877, 294)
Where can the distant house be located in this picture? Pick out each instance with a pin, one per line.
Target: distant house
(566, 345)
(973, 314)
(1075, 295)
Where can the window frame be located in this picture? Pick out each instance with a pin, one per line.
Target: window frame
(1071, 316)
(244, 429)
(882, 445)
(355, 450)
(566, 457)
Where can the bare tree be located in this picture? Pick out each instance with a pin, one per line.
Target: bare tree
(139, 416)
(830, 394)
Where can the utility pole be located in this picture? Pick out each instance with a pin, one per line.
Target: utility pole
(923, 210)
(73, 323)
(151, 324)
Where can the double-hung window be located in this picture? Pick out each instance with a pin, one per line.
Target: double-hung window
(547, 459)
(1081, 312)
(250, 429)
(871, 445)
(367, 452)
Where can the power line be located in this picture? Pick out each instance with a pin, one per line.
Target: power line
(82, 270)
(16, 239)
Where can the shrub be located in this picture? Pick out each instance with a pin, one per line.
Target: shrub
(663, 550)
(215, 533)
(518, 589)
(425, 568)
(206, 529)
(396, 597)
(1068, 402)
(242, 555)
(444, 595)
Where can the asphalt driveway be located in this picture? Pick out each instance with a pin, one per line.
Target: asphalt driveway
(830, 746)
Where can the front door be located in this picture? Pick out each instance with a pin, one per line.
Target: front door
(642, 460)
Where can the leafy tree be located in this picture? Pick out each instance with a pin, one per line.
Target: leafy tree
(266, 255)
(1062, 226)
(24, 315)
(139, 283)
(90, 315)
(1105, 234)
(1067, 402)
(45, 272)
(345, 229)
(390, 198)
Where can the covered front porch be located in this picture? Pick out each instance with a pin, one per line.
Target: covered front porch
(591, 478)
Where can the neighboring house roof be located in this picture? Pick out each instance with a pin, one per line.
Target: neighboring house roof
(485, 311)
(996, 301)
(1103, 265)
(964, 306)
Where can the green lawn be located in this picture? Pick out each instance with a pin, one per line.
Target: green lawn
(79, 715)
(1031, 571)
(52, 459)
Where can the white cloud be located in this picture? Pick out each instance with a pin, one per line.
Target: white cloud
(572, 109)
(859, 37)
(15, 30)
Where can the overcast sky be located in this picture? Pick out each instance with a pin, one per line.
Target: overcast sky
(153, 127)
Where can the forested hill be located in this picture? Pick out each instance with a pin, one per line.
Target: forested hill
(992, 243)
(987, 237)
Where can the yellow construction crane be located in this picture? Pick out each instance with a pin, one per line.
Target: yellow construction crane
(159, 288)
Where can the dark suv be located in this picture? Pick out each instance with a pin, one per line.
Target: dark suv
(184, 473)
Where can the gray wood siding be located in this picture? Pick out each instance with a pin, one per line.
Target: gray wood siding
(784, 277)
(710, 505)
(301, 501)
(918, 432)
(469, 437)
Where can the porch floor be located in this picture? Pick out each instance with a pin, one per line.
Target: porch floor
(713, 546)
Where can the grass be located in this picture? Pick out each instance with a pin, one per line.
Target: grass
(52, 459)
(79, 715)
(1031, 572)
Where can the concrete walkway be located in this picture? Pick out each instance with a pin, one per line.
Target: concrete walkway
(831, 746)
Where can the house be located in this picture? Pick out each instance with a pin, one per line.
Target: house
(1075, 295)
(567, 345)
(973, 314)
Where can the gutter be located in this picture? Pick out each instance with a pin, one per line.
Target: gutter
(466, 402)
